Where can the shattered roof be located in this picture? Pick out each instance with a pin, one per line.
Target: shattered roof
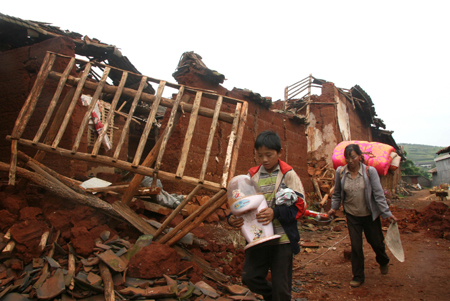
(15, 33)
(192, 62)
(444, 150)
(366, 106)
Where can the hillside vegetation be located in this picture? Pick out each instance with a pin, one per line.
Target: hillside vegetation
(421, 154)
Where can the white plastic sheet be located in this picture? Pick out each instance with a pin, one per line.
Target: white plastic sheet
(394, 243)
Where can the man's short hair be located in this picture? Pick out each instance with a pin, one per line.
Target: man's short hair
(269, 139)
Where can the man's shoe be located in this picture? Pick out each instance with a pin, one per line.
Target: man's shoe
(356, 283)
(384, 269)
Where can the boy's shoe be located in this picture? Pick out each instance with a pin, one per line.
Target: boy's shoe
(384, 269)
(356, 283)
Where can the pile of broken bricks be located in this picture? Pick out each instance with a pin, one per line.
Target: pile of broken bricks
(64, 275)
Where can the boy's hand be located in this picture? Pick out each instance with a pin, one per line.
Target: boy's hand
(236, 221)
(265, 216)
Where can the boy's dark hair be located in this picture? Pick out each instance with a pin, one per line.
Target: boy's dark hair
(269, 139)
(352, 147)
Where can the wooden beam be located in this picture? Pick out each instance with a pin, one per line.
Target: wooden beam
(145, 97)
(141, 169)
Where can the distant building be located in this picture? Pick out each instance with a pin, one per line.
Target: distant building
(417, 179)
(441, 174)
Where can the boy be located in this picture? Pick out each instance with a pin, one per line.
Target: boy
(272, 175)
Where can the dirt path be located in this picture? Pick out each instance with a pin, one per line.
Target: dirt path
(324, 274)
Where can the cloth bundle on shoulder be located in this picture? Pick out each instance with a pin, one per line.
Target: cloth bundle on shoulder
(376, 154)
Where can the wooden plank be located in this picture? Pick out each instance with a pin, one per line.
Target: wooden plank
(69, 112)
(54, 101)
(145, 97)
(62, 190)
(170, 126)
(177, 210)
(189, 134)
(210, 138)
(34, 164)
(88, 114)
(32, 98)
(129, 215)
(217, 200)
(124, 134)
(317, 189)
(191, 217)
(157, 208)
(148, 126)
(142, 170)
(237, 144)
(110, 117)
(231, 140)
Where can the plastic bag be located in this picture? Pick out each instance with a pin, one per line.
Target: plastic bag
(394, 243)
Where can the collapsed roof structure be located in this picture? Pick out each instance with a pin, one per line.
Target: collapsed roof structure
(193, 142)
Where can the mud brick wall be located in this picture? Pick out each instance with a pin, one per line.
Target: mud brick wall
(18, 72)
(323, 132)
(259, 119)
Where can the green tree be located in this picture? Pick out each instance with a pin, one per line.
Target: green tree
(409, 169)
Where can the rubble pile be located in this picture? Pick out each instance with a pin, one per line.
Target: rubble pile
(406, 188)
(54, 249)
(322, 177)
(435, 219)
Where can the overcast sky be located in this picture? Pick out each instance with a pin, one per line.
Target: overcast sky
(397, 51)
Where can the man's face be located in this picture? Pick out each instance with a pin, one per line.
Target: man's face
(267, 157)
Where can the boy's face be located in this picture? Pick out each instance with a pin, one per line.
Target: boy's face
(267, 157)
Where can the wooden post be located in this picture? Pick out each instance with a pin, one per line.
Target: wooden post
(210, 138)
(173, 120)
(13, 165)
(69, 112)
(130, 114)
(240, 134)
(148, 126)
(317, 188)
(108, 283)
(231, 141)
(54, 101)
(182, 225)
(189, 134)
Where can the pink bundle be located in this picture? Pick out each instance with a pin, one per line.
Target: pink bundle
(376, 154)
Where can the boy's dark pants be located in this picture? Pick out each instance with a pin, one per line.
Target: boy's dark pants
(374, 235)
(258, 261)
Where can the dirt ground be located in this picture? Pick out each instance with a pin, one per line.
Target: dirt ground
(324, 273)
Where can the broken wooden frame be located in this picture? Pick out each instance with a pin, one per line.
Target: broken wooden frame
(56, 131)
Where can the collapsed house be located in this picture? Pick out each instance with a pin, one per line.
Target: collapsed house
(192, 136)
